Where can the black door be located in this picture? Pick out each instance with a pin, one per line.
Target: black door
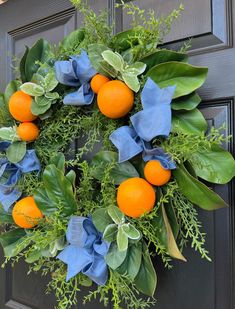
(196, 284)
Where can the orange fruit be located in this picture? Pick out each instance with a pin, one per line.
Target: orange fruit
(135, 197)
(25, 213)
(20, 106)
(115, 99)
(156, 174)
(28, 131)
(98, 81)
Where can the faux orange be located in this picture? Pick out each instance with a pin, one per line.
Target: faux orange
(26, 213)
(115, 99)
(135, 197)
(156, 174)
(28, 131)
(98, 81)
(20, 106)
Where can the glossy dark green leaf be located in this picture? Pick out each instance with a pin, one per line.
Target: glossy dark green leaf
(172, 247)
(131, 265)
(172, 218)
(146, 279)
(5, 217)
(115, 258)
(10, 240)
(197, 193)
(73, 40)
(41, 51)
(162, 56)
(59, 189)
(119, 173)
(190, 122)
(124, 40)
(16, 151)
(71, 176)
(215, 165)
(186, 77)
(22, 65)
(101, 219)
(187, 102)
(11, 88)
(43, 202)
(59, 161)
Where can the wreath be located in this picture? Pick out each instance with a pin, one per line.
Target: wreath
(103, 151)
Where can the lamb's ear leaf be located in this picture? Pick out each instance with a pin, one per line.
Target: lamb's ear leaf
(197, 192)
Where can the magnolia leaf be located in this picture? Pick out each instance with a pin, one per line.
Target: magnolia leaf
(119, 173)
(43, 202)
(190, 122)
(101, 219)
(185, 77)
(188, 102)
(110, 233)
(114, 257)
(113, 59)
(215, 165)
(125, 39)
(59, 189)
(11, 88)
(16, 151)
(171, 243)
(197, 193)
(122, 240)
(71, 176)
(9, 134)
(131, 231)
(162, 56)
(146, 279)
(11, 240)
(5, 217)
(32, 89)
(116, 214)
(131, 265)
(59, 161)
(131, 81)
(73, 40)
(136, 68)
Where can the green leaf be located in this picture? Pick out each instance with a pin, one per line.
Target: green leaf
(187, 102)
(131, 265)
(41, 107)
(124, 40)
(130, 231)
(50, 81)
(122, 240)
(22, 65)
(71, 176)
(215, 165)
(115, 258)
(162, 56)
(113, 59)
(197, 193)
(101, 219)
(32, 89)
(10, 240)
(116, 215)
(9, 134)
(118, 174)
(95, 55)
(33, 257)
(73, 40)
(41, 51)
(171, 243)
(52, 95)
(11, 88)
(16, 151)
(38, 79)
(146, 279)
(59, 189)
(5, 217)
(110, 233)
(136, 68)
(170, 211)
(59, 161)
(131, 81)
(43, 202)
(186, 77)
(107, 70)
(190, 122)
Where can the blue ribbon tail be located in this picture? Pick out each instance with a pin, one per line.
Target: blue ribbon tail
(83, 96)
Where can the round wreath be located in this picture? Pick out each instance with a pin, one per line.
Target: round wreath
(102, 147)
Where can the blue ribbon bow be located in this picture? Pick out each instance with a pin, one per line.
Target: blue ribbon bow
(76, 72)
(10, 173)
(86, 251)
(154, 120)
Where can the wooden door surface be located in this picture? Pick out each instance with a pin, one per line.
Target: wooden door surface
(210, 24)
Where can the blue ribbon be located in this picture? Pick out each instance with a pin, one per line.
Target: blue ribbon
(154, 120)
(76, 72)
(86, 251)
(10, 173)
